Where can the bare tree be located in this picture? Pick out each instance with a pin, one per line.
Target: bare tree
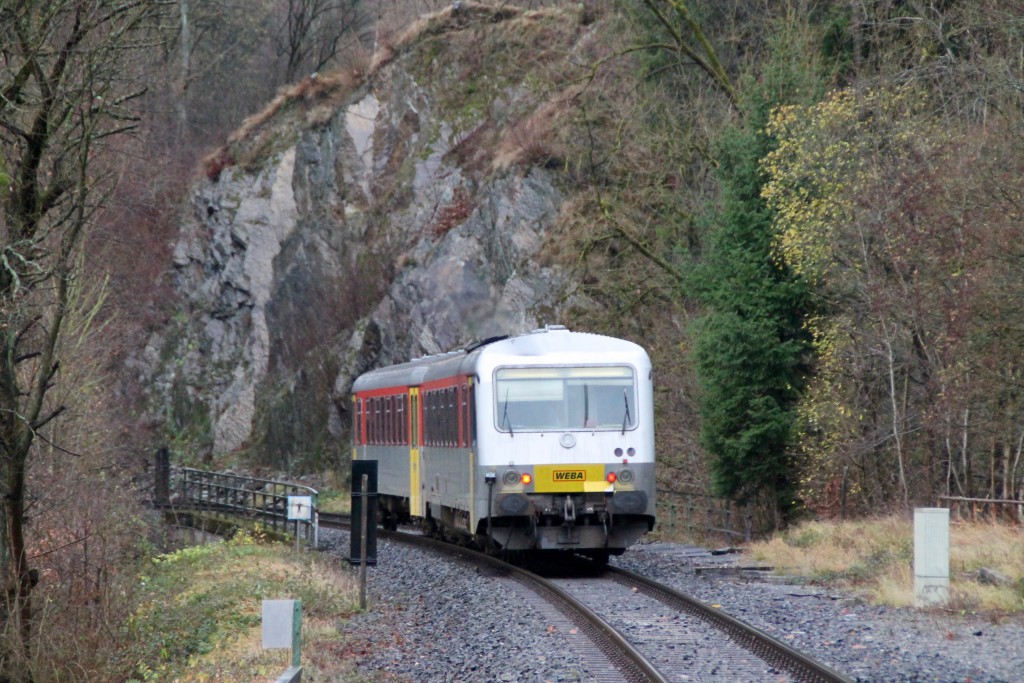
(312, 32)
(65, 87)
(219, 62)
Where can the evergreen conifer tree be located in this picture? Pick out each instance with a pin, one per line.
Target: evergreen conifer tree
(752, 350)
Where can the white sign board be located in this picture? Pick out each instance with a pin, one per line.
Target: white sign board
(300, 507)
(278, 623)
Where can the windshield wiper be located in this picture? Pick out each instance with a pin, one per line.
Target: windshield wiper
(504, 417)
(625, 419)
(586, 406)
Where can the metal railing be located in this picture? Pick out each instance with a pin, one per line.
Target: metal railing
(263, 500)
(701, 516)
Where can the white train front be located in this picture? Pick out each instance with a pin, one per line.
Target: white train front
(542, 442)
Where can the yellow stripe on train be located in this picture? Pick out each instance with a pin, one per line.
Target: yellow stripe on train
(569, 479)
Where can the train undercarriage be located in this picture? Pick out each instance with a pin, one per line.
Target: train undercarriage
(596, 525)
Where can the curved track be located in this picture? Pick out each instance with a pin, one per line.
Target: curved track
(668, 638)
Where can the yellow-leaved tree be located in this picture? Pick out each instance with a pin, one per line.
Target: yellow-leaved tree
(888, 210)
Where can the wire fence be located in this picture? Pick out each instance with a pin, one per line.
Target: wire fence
(983, 509)
(703, 517)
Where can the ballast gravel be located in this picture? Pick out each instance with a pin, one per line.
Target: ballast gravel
(431, 619)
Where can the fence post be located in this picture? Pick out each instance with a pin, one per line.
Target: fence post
(363, 560)
(843, 489)
(162, 477)
(689, 514)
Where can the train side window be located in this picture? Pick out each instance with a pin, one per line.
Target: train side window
(355, 421)
(396, 423)
(443, 414)
(396, 420)
(453, 417)
(464, 417)
(441, 408)
(379, 421)
(369, 421)
(415, 420)
(428, 418)
(389, 407)
(399, 414)
(456, 417)
(443, 395)
(442, 418)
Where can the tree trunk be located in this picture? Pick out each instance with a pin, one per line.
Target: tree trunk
(897, 436)
(16, 610)
(186, 66)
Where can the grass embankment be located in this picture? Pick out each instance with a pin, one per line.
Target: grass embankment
(199, 617)
(334, 501)
(875, 558)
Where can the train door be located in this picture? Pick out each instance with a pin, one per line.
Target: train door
(415, 485)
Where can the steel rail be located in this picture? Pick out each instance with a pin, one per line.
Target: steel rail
(622, 654)
(768, 648)
(630, 662)
(773, 651)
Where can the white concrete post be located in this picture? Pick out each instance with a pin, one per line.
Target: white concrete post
(931, 557)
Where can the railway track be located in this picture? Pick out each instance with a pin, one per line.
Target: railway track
(645, 631)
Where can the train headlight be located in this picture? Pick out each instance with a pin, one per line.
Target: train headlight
(510, 478)
(625, 475)
(631, 451)
(527, 478)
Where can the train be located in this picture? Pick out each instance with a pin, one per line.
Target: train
(537, 443)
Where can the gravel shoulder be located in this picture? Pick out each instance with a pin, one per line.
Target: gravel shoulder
(440, 621)
(864, 642)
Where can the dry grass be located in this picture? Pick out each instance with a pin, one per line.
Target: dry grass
(202, 618)
(533, 141)
(316, 97)
(875, 557)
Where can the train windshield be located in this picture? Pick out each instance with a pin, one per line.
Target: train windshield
(565, 398)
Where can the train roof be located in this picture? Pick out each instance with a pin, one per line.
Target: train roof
(554, 343)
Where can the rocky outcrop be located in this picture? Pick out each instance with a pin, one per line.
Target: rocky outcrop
(363, 222)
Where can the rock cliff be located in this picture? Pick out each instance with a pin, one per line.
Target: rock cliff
(363, 219)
